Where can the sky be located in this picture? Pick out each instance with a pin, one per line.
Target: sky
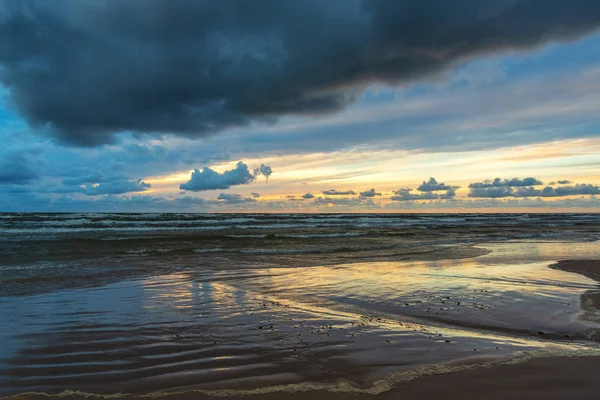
(289, 106)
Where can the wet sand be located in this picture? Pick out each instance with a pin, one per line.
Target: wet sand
(417, 329)
(552, 378)
(555, 378)
(548, 379)
(589, 268)
(544, 379)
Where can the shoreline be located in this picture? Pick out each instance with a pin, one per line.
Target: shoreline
(526, 376)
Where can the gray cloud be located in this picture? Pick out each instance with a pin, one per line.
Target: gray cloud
(233, 198)
(255, 195)
(548, 191)
(308, 196)
(369, 193)
(110, 187)
(16, 168)
(450, 193)
(432, 185)
(334, 192)
(264, 170)
(491, 192)
(514, 182)
(90, 179)
(564, 182)
(209, 179)
(194, 68)
(406, 195)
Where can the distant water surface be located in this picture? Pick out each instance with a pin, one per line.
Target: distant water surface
(44, 252)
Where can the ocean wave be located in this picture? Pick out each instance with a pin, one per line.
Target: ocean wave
(322, 235)
(315, 250)
(258, 236)
(57, 230)
(287, 226)
(213, 250)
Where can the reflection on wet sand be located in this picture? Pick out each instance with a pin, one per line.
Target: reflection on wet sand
(250, 328)
(590, 299)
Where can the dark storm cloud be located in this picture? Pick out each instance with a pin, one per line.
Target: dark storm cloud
(334, 192)
(84, 70)
(369, 193)
(432, 185)
(16, 168)
(209, 179)
(514, 182)
(548, 191)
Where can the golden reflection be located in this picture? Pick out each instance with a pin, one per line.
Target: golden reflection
(286, 287)
(484, 292)
(229, 301)
(549, 251)
(176, 291)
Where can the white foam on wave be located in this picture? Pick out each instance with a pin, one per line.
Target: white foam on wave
(262, 236)
(211, 250)
(42, 231)
(321, 235)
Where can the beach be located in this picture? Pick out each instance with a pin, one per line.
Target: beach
(331, 306)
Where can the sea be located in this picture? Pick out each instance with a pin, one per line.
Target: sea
(154, 303)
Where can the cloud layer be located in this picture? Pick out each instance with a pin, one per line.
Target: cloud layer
(16, 168)
(369, 193)
(85, 70)
(113, 187)
(407, 195)
(514, 182)
(233, 198)
(548, 191)
(334, 192)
